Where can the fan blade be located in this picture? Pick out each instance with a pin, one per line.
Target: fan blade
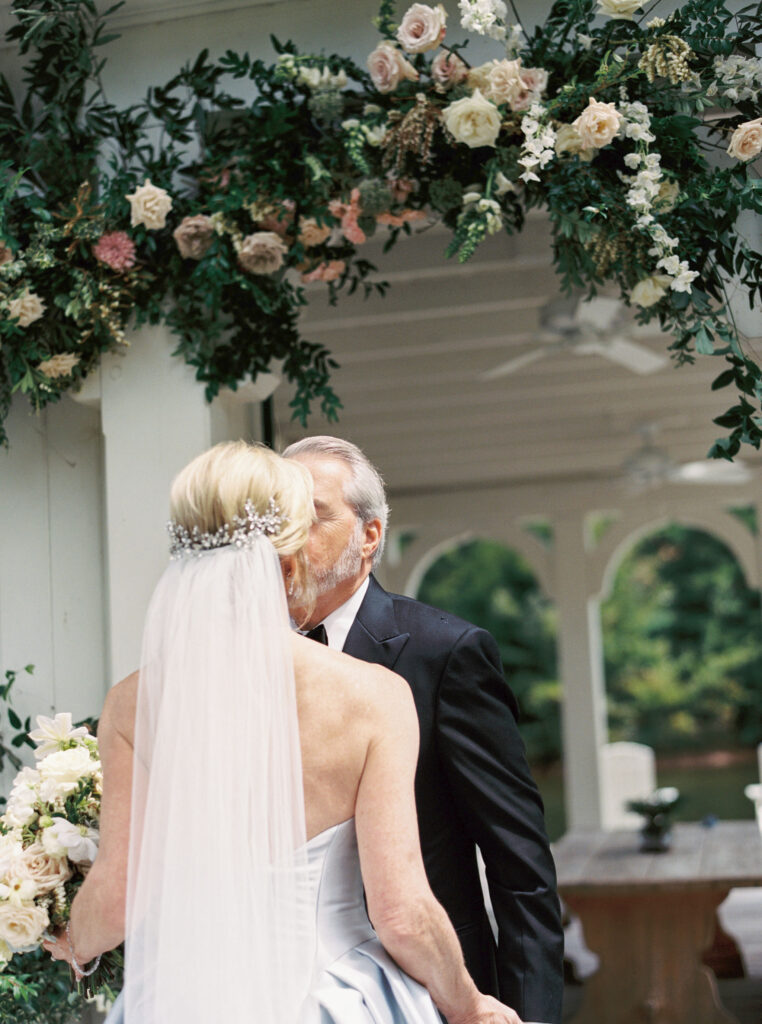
(635, 357)
(711, 471)
(515, 364)
(598, 313)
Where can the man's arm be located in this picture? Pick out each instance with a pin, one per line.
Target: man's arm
(501, 808)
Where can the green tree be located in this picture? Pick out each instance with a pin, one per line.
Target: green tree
(492, 586)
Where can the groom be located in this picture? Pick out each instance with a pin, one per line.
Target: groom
(472, 784)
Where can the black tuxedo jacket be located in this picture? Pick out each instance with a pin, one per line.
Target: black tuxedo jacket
(473, 786)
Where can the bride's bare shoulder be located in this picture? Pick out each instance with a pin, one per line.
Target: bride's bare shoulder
(355, 682)
(119, 708)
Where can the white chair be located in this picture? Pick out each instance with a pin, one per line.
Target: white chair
(628, 772)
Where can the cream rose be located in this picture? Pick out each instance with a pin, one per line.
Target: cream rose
(447, 70)
(535, 79)
(22, 926)
(422, 28)
(60, 772)
(262, 253)
(311, 233)
(746, 140)
(667, 196)
(194, 236)
(41, 868)
(504, 84)
(623, 9)
(649, 290)
(26, 308)
(388, 68)
(473, 120)
(478, 77)
(568, 141)
(598, 124)
(59, 365)
(149, 205)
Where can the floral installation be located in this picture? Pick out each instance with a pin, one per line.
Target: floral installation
(49, 840)
(639, 134)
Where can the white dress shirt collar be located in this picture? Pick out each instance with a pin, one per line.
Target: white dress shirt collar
(339, 622)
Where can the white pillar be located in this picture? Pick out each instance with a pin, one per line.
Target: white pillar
(580, 655)
(155, 419)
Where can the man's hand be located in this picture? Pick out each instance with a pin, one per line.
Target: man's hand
(490, 1011)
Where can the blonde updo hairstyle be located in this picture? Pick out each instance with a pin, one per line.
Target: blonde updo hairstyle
(215, 486)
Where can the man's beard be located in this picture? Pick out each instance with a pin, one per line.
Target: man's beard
(347, 565)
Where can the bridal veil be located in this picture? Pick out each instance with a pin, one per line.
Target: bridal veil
(216, 928)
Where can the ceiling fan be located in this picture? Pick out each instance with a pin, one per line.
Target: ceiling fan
(599, 327)
(650, 466)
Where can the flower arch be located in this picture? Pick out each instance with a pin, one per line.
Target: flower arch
(610, 118)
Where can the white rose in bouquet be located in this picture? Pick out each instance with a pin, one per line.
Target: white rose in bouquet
(149, 205)
(622, 9)
(422, 28)
(22, 925)
(60, 773)
(746, 140)
(598, 124)
(473, 120)
(649, 290)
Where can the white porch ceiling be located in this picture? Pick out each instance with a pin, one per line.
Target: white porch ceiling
(416, 402)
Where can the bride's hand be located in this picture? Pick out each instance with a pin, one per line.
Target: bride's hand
(58, 947)
(491, 1011)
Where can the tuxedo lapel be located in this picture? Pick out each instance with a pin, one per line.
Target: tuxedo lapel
(375, 636)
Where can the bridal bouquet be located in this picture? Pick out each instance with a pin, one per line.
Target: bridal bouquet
(49, 839)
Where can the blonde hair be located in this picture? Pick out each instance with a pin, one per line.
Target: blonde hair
(214, 487)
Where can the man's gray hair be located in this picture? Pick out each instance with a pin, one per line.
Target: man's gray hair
(365, 491)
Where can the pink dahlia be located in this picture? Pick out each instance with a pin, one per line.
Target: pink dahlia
(116, 249)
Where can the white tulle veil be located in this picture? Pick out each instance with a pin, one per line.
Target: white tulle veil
(216, 928)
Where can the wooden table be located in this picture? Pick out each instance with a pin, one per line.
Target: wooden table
(650, 917)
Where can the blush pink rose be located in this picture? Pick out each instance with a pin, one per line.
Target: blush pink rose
(422, 28)
(396, 220)
(388, 68)
(448, 70)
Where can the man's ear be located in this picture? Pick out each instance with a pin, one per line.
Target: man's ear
(371, 537)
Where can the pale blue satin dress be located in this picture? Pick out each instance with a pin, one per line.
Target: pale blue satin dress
(354, 980)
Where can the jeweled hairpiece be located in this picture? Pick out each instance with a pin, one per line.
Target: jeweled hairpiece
(240, 533)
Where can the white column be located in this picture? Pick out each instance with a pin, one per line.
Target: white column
(580, 654)
(51, 559)
(155, 420)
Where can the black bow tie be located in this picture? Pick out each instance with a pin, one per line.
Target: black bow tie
(319, 634)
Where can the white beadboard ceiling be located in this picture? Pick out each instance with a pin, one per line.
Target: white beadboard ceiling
(415, 401)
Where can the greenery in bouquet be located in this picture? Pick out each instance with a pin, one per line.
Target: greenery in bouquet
(637, 133)
(48, 841)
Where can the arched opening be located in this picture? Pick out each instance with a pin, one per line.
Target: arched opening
(683, 655)
(493, 586)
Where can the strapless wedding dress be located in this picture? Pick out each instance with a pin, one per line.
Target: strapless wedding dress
(354, 980)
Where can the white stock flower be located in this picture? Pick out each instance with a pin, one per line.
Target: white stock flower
(22, 926)
(422, 28)
(10, 848)
(473, 120)
(52, 734)
(149, 205)
(20, 809)
(623, 9)
(27, 308)
(77, 842)
(650, 290)
(487, 17)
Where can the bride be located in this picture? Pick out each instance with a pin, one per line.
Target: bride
(255, 783)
